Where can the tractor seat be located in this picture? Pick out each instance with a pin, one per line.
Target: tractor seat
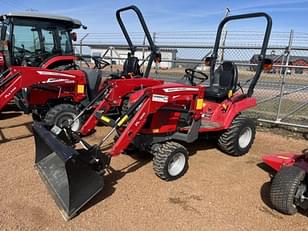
(227, 76)
(94, 78)
(131, 67)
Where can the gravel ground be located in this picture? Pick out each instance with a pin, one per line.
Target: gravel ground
(219, 192)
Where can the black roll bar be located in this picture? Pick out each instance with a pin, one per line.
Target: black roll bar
(133, 48)
(261, 57)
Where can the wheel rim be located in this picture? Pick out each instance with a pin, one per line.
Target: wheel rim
(66, 119)
(176, 164)
(245, 137)
(299, 196)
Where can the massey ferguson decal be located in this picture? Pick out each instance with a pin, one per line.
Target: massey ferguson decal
(160, 98)
(55, 74)
(54, 80)
(10, 93)
(176, 89)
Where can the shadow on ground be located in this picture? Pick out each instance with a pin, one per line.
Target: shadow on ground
(113, 176)
(4, 139)
(141, 159)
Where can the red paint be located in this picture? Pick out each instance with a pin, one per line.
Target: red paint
(35, 78)
(277, 161)
(150, 107)
(119, 90)
(58, 59)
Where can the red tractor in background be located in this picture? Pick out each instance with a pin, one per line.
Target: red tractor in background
(38, 40)
(37, 61)
(288, 190)
(113, 97)
(158, 120)
(33, 42)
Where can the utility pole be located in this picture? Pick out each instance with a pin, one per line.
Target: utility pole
(224, 37)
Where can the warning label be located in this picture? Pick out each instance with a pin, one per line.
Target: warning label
(160, 98)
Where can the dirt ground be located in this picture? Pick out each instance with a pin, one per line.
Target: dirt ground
(219, 192)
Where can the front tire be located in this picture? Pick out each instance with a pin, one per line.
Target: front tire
(285, 186)
(63, 115)
(170, 161)
(239, 137)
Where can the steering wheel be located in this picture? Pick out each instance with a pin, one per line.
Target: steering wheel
(26, 57)
(190, 74)
(23, 50)
(100, 63)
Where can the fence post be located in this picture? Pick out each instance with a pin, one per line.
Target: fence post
(284, 74)
(224, 37)
(156, 64)
(111, 59)
(80, 46)
(143, 52)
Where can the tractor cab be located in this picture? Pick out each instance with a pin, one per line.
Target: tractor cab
(31, 39)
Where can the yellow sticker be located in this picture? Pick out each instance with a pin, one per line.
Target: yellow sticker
(230, 93)
(199, 104)
(123, 120)
(80, 89)
(105, 119)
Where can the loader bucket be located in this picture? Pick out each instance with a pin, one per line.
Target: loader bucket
(71, 181)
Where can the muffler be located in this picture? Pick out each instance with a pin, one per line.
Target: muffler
(69, 177)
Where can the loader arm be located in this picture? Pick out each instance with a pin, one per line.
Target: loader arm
(150, 102)
(118, 90)
(23, 77)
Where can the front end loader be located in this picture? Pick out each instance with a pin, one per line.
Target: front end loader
(74, 176)
(159, 120)
(113, 96)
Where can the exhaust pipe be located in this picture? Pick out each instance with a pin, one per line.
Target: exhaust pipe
(69, 177)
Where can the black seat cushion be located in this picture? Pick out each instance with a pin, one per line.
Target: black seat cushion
(226, 76)
(216, 93)
(131, 67)
(94, 78)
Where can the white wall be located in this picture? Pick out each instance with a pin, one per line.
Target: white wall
(122, 53)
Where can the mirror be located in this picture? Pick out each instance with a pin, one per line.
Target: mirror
(157, 57)
(74, 36)
(207, 61)
(267, 64)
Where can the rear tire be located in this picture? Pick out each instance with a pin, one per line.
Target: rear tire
(239, 137)
(284, 188)
(170, 160)
(62, 115)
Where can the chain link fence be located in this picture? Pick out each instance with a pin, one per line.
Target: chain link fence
(282, 93)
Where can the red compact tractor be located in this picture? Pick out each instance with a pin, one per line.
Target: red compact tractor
(157, 119)
(37, 63)
(288, 190)
(57, 95)
(114, 95)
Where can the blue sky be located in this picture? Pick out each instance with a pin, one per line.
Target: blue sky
(169, 15)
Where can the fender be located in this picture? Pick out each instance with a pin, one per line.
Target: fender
(56, 60)
(25, 77)
(236, 108)
(276, 161)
